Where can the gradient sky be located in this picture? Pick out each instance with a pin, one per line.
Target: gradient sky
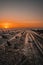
(21, 13)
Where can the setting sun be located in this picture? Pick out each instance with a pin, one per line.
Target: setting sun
(6, 25)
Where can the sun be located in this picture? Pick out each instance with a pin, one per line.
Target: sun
(6, 25)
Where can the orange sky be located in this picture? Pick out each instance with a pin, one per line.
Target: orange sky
(22, 13)
(26, 23)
